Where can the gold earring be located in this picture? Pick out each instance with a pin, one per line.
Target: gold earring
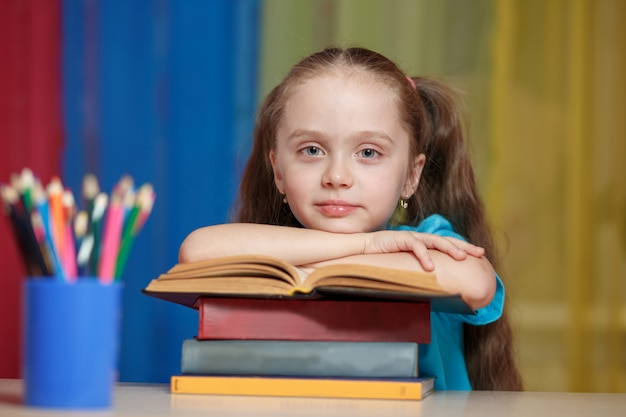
(403, 203)
(285, 198)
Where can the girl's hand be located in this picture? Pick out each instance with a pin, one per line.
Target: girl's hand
(389, 241)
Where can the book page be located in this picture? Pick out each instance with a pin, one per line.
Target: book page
(374, 277)
(239, 285)
(235, 266)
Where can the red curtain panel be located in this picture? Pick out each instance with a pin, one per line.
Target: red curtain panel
(31, 135)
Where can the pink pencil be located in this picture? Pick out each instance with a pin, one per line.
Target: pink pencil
(68, 252)
(69, 255)
(113, 224)
(146, 199)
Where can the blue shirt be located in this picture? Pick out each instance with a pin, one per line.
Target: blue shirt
(444, 357)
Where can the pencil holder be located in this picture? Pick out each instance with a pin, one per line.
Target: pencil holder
(71, 334)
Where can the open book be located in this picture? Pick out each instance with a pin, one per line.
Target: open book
(264, 276)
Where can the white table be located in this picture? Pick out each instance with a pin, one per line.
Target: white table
(155, 400)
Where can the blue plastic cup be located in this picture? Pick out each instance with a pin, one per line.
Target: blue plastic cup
(71, 338)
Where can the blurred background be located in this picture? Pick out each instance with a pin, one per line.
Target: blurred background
(167, 90)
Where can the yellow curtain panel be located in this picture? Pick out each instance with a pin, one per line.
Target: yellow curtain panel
(545, 89)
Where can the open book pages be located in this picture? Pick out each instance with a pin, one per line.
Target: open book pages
(268, 275)
(263, 276)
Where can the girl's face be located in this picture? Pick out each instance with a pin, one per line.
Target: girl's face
(342, 154)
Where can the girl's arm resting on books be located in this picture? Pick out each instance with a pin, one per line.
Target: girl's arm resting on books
(295, 245)
(304, 246)
(473, 277)
(421, 245)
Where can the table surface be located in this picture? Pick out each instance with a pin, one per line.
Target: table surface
(155, 400)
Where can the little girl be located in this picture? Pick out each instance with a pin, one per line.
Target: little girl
(353, 161)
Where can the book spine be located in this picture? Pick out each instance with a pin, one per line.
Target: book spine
(320, 320)
(302, 387)
(292, 358)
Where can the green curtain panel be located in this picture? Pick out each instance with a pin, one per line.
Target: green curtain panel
(544, 83)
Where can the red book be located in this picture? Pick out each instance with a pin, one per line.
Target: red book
(306, 319)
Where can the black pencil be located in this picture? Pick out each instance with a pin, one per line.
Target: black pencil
(24, 233)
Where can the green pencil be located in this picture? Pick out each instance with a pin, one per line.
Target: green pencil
(132, 225)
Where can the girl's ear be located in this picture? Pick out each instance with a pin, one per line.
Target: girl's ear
(278, 178)
(413, 176)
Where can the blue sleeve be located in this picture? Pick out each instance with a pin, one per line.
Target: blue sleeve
(439, 225)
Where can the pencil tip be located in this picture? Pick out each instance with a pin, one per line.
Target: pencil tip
(91, 187)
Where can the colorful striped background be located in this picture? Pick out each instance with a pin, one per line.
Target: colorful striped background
(162, 90)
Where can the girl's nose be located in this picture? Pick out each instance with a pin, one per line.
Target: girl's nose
(337, 174)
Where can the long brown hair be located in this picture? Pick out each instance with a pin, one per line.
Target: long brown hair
(447, 186)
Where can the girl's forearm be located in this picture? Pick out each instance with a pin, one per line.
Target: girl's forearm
(295, 245)
(472, 277)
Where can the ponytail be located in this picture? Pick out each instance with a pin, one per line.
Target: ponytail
(448, 187)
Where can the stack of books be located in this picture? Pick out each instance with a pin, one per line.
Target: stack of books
(347, 331)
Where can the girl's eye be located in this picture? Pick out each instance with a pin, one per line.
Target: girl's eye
(312, 151)
(368, 153)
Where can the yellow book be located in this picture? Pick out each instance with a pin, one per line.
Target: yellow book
(389, 389)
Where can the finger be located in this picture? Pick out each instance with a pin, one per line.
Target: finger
(469, 248)
(422, 255)
(449, 246)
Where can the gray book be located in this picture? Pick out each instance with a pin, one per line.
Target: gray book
(300, 358)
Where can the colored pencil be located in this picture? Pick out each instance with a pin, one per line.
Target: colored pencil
(90, 190)
(27, 182)
(146, 205)
(56, 225)
(133, 224)
(80, 234)
(100, 204)
(113, 224)
(40, 234)
(22, 231)
(55, 238)
(42, 209)
(68, 251)
(42, 213)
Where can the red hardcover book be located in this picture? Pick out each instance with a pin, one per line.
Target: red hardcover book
(306, 319)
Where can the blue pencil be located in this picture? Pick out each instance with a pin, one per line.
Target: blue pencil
(41, 204)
